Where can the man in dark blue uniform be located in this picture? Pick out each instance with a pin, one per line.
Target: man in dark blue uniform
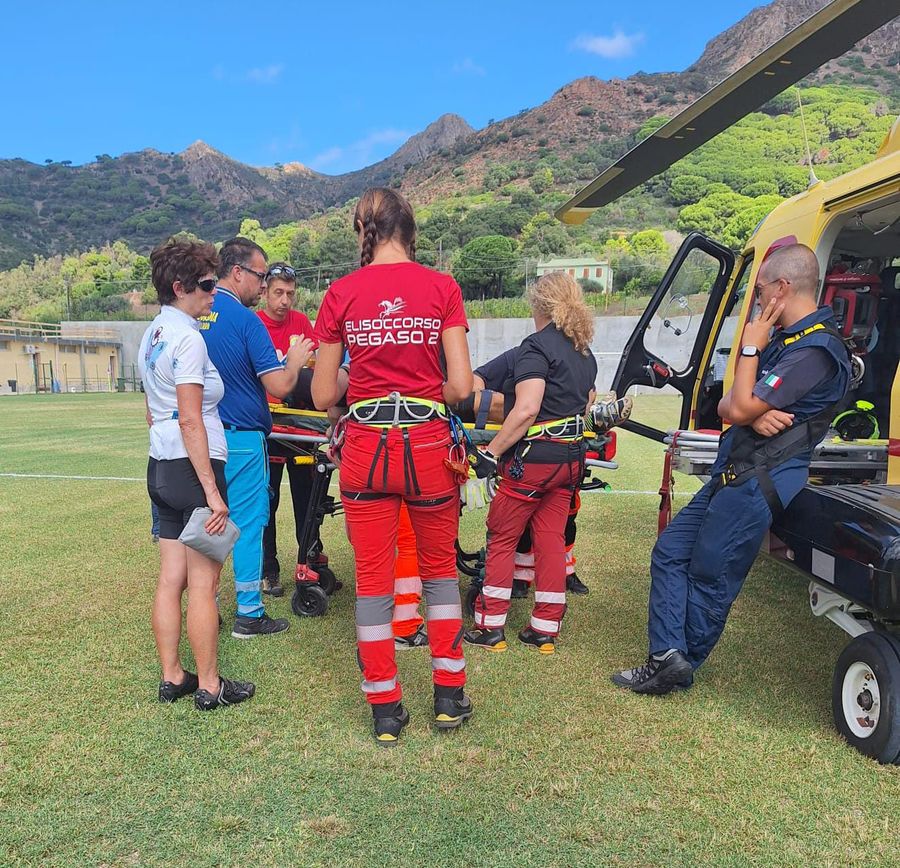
(786, 387)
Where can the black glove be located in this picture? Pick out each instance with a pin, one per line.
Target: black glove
(483, 463)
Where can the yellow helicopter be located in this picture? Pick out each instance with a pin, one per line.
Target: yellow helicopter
(843, 531)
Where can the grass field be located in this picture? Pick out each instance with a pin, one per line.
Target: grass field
(557, 768)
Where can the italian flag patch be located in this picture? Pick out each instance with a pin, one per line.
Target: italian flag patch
(772, 381)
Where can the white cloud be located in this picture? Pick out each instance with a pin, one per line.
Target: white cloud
(265, 74)
(614, 47)
(467, 66)
(360, 153)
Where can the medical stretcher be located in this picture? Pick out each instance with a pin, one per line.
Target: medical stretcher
(302, 433)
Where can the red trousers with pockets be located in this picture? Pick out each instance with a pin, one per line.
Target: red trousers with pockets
(524, 571)
(378, 472)
(541, 497)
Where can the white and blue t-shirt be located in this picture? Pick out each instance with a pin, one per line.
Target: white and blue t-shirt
(172, 354)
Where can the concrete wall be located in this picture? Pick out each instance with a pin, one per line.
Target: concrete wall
(129, 336)
(487, 339)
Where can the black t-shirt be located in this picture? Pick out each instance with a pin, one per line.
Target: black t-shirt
(550, 356)
(498, 376)
(498, 372)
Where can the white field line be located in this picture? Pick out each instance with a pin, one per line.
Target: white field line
(139, 479)
(61, 476)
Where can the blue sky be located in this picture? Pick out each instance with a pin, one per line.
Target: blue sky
(336, 86)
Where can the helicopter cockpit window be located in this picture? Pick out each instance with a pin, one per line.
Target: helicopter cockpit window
(673, 331)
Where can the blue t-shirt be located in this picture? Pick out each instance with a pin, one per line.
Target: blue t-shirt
(241, 349)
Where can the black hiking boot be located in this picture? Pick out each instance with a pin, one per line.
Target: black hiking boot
(389, 720)
(247, 628)
(661, 674)
(272, 586)
(451, 707)
(519, 589)
(532, 639)
(576, 586)
(169, 692)
(490, 640)
(419, 639)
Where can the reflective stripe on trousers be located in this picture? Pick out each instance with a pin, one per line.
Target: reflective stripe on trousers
(547, 515)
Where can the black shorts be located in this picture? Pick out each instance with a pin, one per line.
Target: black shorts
(174, 487)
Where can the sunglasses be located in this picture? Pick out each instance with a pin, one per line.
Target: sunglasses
(278, 270)
(261, 275)
(207, 285)
(758, 288)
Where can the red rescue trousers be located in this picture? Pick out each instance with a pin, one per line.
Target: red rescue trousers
(541, 497)
(524, 570)
(407, 581)
(380, 468)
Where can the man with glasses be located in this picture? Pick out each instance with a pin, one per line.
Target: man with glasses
(240, 348)
(286, 327)
(787, 386)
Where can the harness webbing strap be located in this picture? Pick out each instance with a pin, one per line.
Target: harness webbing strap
(754, 456)
(364, 495)
(818, 327)
(568, 429)
(403, 410)
(381, 447)
(410, 480)
(484, 407)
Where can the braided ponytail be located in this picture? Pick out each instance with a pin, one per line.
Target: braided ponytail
(370, 241)
(382, 215)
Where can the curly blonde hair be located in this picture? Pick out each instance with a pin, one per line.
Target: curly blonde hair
(558, 296)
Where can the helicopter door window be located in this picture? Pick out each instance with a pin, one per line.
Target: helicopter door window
(673, 331)
(707, 416)
(728, 335)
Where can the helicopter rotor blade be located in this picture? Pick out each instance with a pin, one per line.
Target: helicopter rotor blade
(830, 32)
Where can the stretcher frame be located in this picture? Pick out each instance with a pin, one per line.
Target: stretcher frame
(303, 433)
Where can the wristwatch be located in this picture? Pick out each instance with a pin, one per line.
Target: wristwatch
(750, 351)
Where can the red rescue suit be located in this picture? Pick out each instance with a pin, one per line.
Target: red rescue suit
(539, 478)
(390, 318)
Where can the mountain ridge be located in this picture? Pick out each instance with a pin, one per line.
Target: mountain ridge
(144, 195)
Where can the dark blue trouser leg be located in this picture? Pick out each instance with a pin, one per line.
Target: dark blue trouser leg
(669, 578)
(727, 543)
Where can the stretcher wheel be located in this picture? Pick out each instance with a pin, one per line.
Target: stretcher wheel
(865, 696)
(309, 601)
(327, 579)
(471, 597)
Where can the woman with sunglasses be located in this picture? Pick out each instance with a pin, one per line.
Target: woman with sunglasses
(405, 328)
(186, 470)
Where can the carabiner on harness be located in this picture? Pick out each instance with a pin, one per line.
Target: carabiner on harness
(456, 460)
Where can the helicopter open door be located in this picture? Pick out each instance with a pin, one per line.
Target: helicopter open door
(671, 337)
